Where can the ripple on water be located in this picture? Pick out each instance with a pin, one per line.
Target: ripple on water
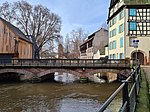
(53, 97)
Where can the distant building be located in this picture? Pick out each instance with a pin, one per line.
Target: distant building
(13, 43)
(49, 55)
(129, 23)
(99, 55)
(96, 42)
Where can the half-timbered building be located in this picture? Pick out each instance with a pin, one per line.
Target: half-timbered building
(129, 29)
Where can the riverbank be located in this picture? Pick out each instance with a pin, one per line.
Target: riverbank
(143, 104)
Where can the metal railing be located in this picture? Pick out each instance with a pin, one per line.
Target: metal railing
(66, 62)
(130, 89)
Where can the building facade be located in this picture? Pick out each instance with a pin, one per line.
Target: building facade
(95, 42)
(13, 43)
(129, 25)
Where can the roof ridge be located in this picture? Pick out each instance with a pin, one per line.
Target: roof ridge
(15, 29)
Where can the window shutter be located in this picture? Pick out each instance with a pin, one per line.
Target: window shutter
(123, 13)
(123, 56)
(119, 16)
(123, 27)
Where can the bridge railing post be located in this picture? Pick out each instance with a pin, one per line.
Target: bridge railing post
(61, 62)
(135, 81)
(126, 96)
(138, 80)
(13, 62)
(78, 62)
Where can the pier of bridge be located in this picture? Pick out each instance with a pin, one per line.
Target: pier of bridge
(30, 69)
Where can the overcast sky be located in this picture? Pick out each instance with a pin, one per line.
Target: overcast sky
(87, 14)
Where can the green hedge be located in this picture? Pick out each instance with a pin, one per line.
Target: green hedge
(143, 97)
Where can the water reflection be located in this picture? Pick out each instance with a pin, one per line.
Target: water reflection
(65, 77)
(54, 97)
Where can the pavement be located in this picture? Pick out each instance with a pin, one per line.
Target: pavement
(147, 71)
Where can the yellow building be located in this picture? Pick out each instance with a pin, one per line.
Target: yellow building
(129, 24)
(13, 43)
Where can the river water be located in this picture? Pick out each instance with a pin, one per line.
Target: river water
(56, 97)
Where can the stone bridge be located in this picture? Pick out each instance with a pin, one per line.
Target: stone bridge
(37, 69)
(28, 74)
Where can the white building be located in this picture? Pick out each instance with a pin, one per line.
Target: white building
(129, 20)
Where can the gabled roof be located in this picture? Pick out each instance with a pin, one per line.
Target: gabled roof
(91, 37)
(16, 30)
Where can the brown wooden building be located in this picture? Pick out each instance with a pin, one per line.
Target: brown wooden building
(13, 42)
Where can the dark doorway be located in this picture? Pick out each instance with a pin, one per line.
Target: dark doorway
(139, 56)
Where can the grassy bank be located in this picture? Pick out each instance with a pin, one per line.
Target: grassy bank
(143, 97)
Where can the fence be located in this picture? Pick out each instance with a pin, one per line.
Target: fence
(130, 89)
(66, 62)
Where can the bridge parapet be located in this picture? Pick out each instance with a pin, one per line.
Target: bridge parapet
(66, 63)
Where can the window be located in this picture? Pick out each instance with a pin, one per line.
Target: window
(111, 45)
(117, 56)
(114, 44)
(121, 15)
(132, 12)
(112, 22)
(90, 44)
(114, 56)
(121, 42)
(121, 28)
(122, 56)
(110, 56)
(114, 32)
(132, 25)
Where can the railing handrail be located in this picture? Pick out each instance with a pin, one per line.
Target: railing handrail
(59, 59)
(120, 88)
(67, 62)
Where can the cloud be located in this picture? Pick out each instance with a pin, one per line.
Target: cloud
(87, 14)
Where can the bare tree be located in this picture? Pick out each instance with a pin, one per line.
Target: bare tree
(73, 42)
(7, 12)
(60, 51)
(37, 21)
(67, 44)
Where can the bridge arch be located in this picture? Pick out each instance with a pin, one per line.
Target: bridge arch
(24, 74)
(92, 72)
(41, 74)
(104, 72)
